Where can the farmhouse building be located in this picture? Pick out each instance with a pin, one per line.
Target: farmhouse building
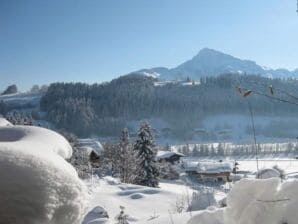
(209, 170)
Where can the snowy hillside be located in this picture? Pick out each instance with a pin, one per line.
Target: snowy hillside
(22, 98)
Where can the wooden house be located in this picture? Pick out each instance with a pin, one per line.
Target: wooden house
(209, 170)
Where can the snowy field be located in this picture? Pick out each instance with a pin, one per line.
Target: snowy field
(250, 165)
(141, 204)
(288, 165)
(164, 205)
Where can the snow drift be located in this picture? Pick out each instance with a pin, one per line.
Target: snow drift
(35, 140)
(37, 184)
(208, 217)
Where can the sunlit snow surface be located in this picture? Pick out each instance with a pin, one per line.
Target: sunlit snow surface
(37, 184)
(251, 201)
(4, 122)
(262, 202)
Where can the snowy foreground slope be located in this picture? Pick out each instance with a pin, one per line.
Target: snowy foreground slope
(142, 204)
(37, 184)
(251, 201)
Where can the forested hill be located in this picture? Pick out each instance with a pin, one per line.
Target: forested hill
(104, 109)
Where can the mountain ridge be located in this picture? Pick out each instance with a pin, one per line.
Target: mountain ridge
(210, 62)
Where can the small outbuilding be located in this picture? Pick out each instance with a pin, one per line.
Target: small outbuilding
(92, 148)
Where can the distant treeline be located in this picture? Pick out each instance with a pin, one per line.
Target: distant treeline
(226, 149)
(104, 109)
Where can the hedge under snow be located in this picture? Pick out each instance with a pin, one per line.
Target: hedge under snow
(37, 184)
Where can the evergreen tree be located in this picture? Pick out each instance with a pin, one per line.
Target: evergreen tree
(127, 165)
(220, 150)
(146, 155)
(111, 159)
(213, 151)
(195, 151)
(167, 147)
(10, 90)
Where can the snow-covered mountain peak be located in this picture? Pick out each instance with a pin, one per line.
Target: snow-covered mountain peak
(210, 62)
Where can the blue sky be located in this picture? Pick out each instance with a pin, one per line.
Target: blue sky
(97, 40)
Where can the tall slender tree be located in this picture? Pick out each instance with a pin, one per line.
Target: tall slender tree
(146, 154)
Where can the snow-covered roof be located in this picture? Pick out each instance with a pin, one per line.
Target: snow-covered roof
(167, 154)
(214, 167)
(90, 145)
(190, 165)
(208, 166)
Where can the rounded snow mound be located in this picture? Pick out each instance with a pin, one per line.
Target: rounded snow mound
(42, 139)
(208, 217)
(97, 215)
(266, 201)
(137, 196)
(37, 184)
(267, 173)
(4, 122)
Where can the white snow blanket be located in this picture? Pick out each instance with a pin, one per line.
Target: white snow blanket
(37, 184)
(167, 154)
(208, 217)
(89, 145)
(25, 137)
(267, 173)
(4, 122)
(262, 201)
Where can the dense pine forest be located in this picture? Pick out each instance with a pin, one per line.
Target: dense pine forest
(106, 108)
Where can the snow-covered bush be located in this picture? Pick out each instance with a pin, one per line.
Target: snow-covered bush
(80, 161)
(262, 201)
(122, 218)
(201, 201)
(281, 171)
(37, 184)
(223, 202)
(267, 173)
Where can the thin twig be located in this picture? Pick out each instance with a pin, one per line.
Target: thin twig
(273, 201)
(254, 134)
